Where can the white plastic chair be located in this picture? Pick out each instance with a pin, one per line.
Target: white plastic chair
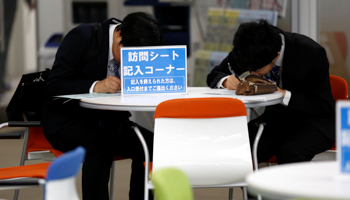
(206, 138)
(60, 179)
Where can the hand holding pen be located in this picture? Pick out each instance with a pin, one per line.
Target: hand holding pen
(231, 82)
(231, 70)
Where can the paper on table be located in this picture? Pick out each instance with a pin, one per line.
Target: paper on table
(88, 95)
(222, 92)
(240, 97)
(250, 98)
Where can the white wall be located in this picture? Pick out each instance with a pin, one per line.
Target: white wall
(50, 18)
(333, 16)
(22, 57)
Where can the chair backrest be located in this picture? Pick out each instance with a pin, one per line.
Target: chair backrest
(206, 138)
(339, 88)
(60, 178)
(171, 184)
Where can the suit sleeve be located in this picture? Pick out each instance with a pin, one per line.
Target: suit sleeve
(311, 93)
(221, 70)
(67, 76)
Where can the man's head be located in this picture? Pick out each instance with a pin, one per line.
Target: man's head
(140, 29)
(136, 29)
(256, 46)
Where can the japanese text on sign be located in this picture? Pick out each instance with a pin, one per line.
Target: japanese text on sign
(151, 70)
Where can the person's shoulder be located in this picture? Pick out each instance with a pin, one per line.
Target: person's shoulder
(82, 30)
(300, 41)
(299, 38)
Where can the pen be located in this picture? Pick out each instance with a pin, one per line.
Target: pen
(231, 70)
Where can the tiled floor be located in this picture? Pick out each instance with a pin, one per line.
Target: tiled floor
(10, 151)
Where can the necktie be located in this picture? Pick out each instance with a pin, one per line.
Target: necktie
(116, 69)
(273, 75)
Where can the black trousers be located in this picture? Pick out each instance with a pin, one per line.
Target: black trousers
(103, 136)
(289, 138)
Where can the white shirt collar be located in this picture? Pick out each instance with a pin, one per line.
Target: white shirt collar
(279, 61)
(111, 31)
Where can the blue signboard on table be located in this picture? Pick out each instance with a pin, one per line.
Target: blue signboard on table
(154, 70)
(343, 136)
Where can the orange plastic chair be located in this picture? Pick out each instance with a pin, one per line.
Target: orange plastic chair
(36, 146)
(339, 92)
(339, 88)
(59, 176)
(24, 172)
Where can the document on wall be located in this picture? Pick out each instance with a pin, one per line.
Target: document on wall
(88, 95)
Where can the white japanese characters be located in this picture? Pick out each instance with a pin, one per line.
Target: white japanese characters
(143, 56)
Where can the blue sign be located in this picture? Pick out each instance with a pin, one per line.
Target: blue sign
(343, 136)
(154, 70)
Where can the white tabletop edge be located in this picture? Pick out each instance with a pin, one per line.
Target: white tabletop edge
(150, 102)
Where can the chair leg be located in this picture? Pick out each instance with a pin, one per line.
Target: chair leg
(230, 194)
(259, 197)
(145, 149)
(245, 193)
(111, 182)
(23, 156)
(15, 196)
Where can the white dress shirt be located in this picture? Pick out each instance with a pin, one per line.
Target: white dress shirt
(110, 63)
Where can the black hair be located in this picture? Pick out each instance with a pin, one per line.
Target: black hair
(140, 29)
(255, 45)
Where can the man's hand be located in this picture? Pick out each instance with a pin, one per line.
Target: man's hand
(231, 83)
(111, 84)
(281, 91)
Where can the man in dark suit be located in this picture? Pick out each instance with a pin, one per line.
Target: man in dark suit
(102, 133)
(303, 125)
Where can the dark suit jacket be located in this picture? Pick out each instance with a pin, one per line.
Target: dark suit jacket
(72, 75)
(305, 73)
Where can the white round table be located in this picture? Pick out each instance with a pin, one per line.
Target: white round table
(150, 102)
(307, 180)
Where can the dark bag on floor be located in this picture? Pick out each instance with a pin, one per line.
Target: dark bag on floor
(253, 84)
(29, 97)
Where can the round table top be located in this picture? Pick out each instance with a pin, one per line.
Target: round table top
(311, 180)
(150, 102)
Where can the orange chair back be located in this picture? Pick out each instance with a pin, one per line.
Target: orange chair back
(219, 107)
(339, 88)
